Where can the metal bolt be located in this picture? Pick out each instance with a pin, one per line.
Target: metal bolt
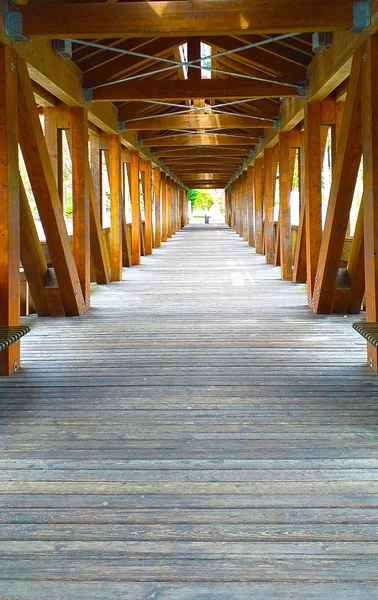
(371, 362)
(77, 280)
(81, 313)
(364, 57)
(15, 366)
(12, 67)
(88, 302)
(76, 292)
(83, 303)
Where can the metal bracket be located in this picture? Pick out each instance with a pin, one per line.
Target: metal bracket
(261, 139)
(121, 125)
(276, 123)
(13, 25)
(87, 95)
(360, 16)
(140, 142)
(320, 41)
(302, 92)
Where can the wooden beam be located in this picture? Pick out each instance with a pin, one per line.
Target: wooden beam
(80, 199)
(137, 19)
(202, 152)
(164, 224)
(146, 178)
(157, 204)
(259, 211)
(135, 209)
(270, 170)
(185, 90)
(9, 207)
(169, 206)
(313, 169)
(116, 206)
(194, 53)
(285, 193)
(32, 257)
(201, 139)
(250, 202)
(369, 84)
(98, 253)
(299, 268)
(198, 121)
(38, 164)
(344, 177)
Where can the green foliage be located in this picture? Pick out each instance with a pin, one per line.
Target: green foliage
(200, 199)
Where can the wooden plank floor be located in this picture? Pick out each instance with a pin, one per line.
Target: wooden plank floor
(198, 435)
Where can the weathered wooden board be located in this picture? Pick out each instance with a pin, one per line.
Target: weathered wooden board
(200, 433)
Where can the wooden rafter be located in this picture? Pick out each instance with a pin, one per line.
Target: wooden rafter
(137, 19)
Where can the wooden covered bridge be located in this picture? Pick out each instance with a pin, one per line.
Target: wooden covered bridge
(194, 417)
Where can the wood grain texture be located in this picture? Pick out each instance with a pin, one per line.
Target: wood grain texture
(159, 449)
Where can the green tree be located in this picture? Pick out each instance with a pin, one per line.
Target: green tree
(200, 199)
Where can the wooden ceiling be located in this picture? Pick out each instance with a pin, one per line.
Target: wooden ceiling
(201, 124)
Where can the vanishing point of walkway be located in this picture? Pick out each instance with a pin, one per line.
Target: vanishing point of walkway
(198, 435)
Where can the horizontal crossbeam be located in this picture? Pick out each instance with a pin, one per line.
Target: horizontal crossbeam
(198, 121)
(186, 89)
(201, 139)
(201, 17)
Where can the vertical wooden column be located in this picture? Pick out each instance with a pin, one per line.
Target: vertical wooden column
(115, 208)
(269, 187)
(157, 201)
(285, 192)
(9, 207)
(245, 206)
(313, 168)
(147, 207)
(250, 211)
(370, 198)
(164, 224)
(135, 208)
(54, 141)
(299, 268)
(95, 163)
(80, 197)
(169, 206)
(259, 210)
(194, 53)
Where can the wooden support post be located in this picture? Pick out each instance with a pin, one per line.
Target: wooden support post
(164, 225)
(95, 163)
(259, 211)
(32, 257)
(299, 269)
(370, 199)
(135, 208)
(80, 197)
(54, 141)
(285, 192)
(194, 53)
(38, 164)
(347, 162)
(250, 211)
(157, 202)
(245, 206)
(147, 172)
(169, 207)
(98, 253)
(116, 208)
(269, 189)
(9, 207)
(313, 167)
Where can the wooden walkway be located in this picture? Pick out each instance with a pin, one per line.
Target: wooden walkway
(198, 435)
